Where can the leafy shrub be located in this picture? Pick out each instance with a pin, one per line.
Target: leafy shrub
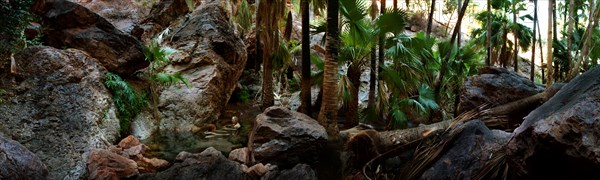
(129, 102)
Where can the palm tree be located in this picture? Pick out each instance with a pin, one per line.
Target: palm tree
(570, 30)
(585, 49)
(328, 114)
(488, 59)
(373, 63)
(430, 18)
(532, 72)
(269, 13)
(305, 92)
(549, 57)
(516, 48)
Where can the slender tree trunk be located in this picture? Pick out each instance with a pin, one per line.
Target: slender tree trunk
(381, 60)
(539, 35)
(586, 44)
(457, 88)
(516, 41)
(287, 34)
(488, 59)
(407, 2)
(352, 113)
(532, 71)
(430, 18)
(570, 32)
(443, 68)
(549, 59)
(458, 37)
(329, 109)
(306, 82)
(373, 75)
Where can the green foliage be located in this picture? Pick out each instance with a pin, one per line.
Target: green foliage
(244, 95)
(129, 103)
(15, 18)
(190, 4)
(244, 17)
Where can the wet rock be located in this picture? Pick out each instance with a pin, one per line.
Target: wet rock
(559, 139)
(17, 162)
(209, 164)
(285, 138)
(124, 15)
(468, 153)
(103, 164)
(212, 58)
(57, 107)
(68, 24)
(241, 155)
(300, 172)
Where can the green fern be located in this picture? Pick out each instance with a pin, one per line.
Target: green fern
(128, 102)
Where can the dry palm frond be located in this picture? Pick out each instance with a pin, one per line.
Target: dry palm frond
(495, 168)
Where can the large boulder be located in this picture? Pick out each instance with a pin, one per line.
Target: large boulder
(212, 58)
(162, 15)
(124, 15)
(285, 138)
(495, 86)
(17, 162)
(56, 105)
(560, 139)
(68, 24)
(209, 164)
(468, 153)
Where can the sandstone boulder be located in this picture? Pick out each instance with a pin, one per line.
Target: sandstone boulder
(68, 24)
(212, 58)
(17, 162)
(241, 155)
(57, 107)
(285, 138)
(103, 164)
(468, 153)
(209, 164)
(559, 139)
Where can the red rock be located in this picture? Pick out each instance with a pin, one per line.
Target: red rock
(129, 142)
(103, 164)
(147, 165)
(240, 155)
(135, 150)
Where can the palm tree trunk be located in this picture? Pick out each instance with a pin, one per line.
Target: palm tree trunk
(592, 21)
(488, 60)
(328, 114)
(305, 91)
(532, 71)
(352, 113)
(430, 18)
(373, 75)
(287, 34)
(458, 37)
(395, 5)
(515, 43)
(549, 59)
(570, 32)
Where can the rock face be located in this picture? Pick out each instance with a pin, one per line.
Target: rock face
(212, 58)
(559, 139)
(103, 164)
(124, 15)
(209, 164)
(285, 138)
(496, 86)
(300, 172)
(162, 15)
(469, 152)
(16, 162)
(68, 24)
(58, 108)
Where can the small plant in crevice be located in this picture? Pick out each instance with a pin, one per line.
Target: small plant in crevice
(129, 102)
(158, 56)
